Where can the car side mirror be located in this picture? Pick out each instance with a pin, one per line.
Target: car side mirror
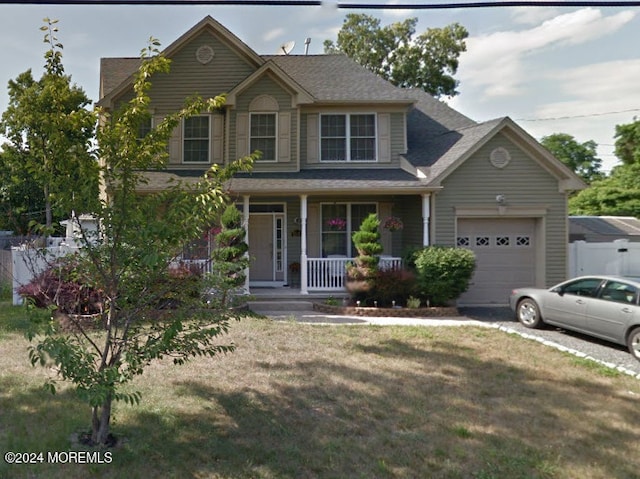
(560, 291)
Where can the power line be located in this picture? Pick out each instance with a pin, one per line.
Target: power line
(590, 115)
(351, 5)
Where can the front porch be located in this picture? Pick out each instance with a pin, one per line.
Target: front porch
(322, 275)
(305, 242)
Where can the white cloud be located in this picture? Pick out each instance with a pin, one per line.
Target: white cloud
(496, 62)
(273, 34)
(532, 16)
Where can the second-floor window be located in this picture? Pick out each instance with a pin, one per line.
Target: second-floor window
(348, 137)
(196, 140)
(263, 135)
(144, 128)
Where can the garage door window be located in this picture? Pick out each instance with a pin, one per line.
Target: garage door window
(502, 241)
(483, 241)
(463, 242)
(523, 241)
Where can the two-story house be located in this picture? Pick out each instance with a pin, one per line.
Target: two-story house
(338, 143)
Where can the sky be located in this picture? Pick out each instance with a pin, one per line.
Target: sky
(551, 69)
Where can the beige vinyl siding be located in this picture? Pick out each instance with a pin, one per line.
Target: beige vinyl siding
(287, 149)
(188, 76)
(409, 210)
(524, 183)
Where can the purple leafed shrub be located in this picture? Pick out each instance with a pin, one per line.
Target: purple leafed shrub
(63, 287)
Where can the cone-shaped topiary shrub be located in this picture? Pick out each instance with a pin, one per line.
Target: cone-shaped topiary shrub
(361, 273)
(229, 256)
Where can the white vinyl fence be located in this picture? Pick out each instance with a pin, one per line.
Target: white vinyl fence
(619, 257)
(29, 261)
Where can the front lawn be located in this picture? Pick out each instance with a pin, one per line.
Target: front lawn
(303, 401)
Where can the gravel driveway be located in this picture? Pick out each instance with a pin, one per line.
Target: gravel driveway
(610, 354)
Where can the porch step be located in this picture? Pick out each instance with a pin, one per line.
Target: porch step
(264, 307)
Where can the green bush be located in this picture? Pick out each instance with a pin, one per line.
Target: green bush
(443, 273)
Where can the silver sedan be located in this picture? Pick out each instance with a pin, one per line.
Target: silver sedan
(602, 306)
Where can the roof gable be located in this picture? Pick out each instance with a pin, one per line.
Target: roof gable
(442, 153)
(299, 94)
(117, 73)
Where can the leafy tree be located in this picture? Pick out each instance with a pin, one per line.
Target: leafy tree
(427, 61)
(628, 142)
(580, 157)
(21, 198)
(133, 261)
(616, 195)
(48, 153)
(619, 193)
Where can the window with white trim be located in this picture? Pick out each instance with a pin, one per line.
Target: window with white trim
(348, 137)
(196, 140)
(339, 222)
(263, 135)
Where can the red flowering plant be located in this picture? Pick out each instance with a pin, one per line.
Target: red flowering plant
(337, 223)
(392, 224)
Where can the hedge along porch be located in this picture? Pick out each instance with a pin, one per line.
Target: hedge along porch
(313, 232)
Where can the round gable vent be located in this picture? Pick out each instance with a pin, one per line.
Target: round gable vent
(500, 157)
(204, 54)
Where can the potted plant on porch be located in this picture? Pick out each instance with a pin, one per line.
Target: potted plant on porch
(294, 274)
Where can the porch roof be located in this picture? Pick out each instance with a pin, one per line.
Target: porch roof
(343, 181)
(350, 181)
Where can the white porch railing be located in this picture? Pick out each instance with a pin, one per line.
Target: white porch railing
(203, 266)
(328, 274)
(323, 274)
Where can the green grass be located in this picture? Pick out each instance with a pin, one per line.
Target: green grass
(303, 401)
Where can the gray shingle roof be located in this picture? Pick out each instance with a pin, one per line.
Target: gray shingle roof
(337, 78)
(113, 71)
(346, 181)
(608, 225)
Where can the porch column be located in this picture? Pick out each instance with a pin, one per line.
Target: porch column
(303, 245)
(426, 217)
(245, 223)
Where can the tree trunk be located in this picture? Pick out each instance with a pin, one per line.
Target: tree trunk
(101, 421)
(47, 208)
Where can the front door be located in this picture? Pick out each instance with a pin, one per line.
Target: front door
(266, 248)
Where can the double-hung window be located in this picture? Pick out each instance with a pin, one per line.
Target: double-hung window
(263, 135)
(348, 137)
(196, 140)
(144, 128)
(339, 222)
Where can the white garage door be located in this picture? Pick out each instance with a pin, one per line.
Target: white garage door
(505, 257)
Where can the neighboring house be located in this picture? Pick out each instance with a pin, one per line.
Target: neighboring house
(603, 229)
(339, 142)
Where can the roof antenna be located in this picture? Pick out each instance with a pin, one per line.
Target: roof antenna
(307, 41)
(286, 48)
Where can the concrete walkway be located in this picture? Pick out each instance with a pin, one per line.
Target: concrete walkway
(303, 312)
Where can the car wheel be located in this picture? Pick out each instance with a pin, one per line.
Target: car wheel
(633, 343)
(528, 313)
